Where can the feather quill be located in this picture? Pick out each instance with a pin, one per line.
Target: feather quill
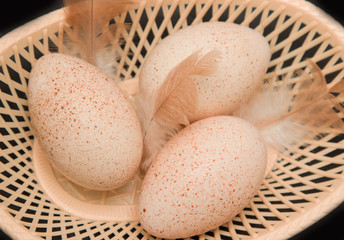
(90, 35)
(168, 110)
(287, 113)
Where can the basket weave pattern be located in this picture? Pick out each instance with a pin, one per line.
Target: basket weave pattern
(305, 183)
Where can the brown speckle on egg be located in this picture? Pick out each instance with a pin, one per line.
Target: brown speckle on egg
(243, 53)
(84, 121)
(210, 170)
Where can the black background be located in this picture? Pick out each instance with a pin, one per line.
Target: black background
(15, 13)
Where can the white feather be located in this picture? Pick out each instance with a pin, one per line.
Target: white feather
(287, 113)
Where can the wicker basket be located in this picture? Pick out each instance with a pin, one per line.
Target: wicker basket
(302, 187)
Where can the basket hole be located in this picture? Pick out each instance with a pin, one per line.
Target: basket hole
(322, 63)
(5, 88)
(300, 158)
(276, 54)
(3, 146)
(238, 223)
(159, 18)
(128, 19)
(52, 46)
(20, 119)
(143, 52)
(164, 33)
(126, 236)
(21, 94)
(304, 146)
(285, 34)
(12, 105)
(271, 218)
(331, 76)
(41, 229)
(143, 19)
(14, 130)
(3, 160)
(13, 156)
(271, 69)
(22, 140)
(330, 167)
(27, 219)
(56, 229)
(288, 62)
(44, 213)
(313, 162)
(191, 16)
(30, 211)
(249, 216)
(96, 234)
(321, 180)
(287, 194)
(14, 207)
(211, 234)
(297, 185)
(317, 149)
(339, 60)
(306, 174)
(298, 42)
(37, 53)
(224, 16)
(5, 194)
(208, 15)
(68, 227)
(309, 53)
(299, 201)
(223, 237)
(15, 169)
(257, 225)
(56, 237)
(70, 235)
(242, 232)
(175, 16)
(27, 177)
(21, 152)
(336, 139)
(335, 153)
(269, 195)
(311, 191)
(256, 21)
(150, 37)
(278, 187)
(13, 74)
(241, 16)
(140, 236)
(270, 27)
(112, 235)
(285, 210)
(263, 210)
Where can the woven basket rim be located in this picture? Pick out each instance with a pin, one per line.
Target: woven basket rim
(17, 231)
(30, 27)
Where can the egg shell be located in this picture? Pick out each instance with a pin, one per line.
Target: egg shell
(203, 177)
(244, 59)
(84, 122)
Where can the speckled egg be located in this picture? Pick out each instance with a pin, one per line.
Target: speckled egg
(203, 177)
(241, 66)
(84, 122)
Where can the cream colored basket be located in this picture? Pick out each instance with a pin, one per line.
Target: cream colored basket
(302, 187)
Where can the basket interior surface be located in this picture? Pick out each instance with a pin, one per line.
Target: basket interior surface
(305, 183)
